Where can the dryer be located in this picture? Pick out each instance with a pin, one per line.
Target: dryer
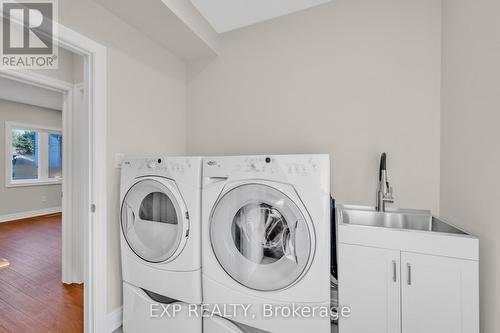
(266, 238)
(160, 235)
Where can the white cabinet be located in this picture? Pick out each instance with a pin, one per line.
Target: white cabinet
(392, 291)
(439, 294)
(369, 283)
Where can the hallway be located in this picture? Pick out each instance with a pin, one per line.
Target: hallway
(32, 297)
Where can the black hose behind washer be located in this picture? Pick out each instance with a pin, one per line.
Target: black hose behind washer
(333, 239)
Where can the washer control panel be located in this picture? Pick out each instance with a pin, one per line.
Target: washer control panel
(154, 164)
(303, 168)
(312, 171)
(269, 165)
(259, 164)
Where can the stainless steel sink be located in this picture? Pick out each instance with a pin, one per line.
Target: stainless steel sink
(409, 219)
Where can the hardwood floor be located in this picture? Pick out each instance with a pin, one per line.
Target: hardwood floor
(32, 296)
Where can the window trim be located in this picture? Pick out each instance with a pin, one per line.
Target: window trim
(42, 159)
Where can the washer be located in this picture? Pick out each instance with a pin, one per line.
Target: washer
(266, 238)
(160, 238)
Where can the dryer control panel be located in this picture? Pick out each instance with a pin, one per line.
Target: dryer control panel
(162, 165)
(181, 168)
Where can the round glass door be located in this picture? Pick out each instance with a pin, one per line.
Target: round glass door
(260, 237)
(152, 221)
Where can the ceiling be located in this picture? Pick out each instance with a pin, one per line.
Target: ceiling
(191, 29)
(226, 15)
(174, 24)
(16, 91)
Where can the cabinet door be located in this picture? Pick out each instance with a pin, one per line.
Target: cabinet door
(369, 283)
(439, 294)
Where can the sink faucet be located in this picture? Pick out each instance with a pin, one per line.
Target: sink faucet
(384, 190)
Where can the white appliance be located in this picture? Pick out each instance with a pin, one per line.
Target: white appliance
(160, 237)
(143, 314)
(266, 238)
(215, 324)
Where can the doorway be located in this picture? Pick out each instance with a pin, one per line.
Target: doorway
(40, 194)
(93, 202)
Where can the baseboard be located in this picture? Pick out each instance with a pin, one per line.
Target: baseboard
(33, 213)
(115, 319)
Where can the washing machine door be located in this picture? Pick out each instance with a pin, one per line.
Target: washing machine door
(154, 219)
(260, 236)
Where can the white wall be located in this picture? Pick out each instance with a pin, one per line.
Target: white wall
(70, 67)
(30, 198)
(146, 104)
(351, 78)
(470, 161)
(17, 91)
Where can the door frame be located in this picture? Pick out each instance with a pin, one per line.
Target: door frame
(95, 231)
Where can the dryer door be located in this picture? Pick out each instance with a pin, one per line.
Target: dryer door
(260, 237)
(154, 219)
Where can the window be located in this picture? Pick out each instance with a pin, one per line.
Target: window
(34, 155)
(55, 155)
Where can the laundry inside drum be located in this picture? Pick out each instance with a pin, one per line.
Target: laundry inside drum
(260, 233)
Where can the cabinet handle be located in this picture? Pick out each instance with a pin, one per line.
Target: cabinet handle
(394, 271)
(408, 266)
